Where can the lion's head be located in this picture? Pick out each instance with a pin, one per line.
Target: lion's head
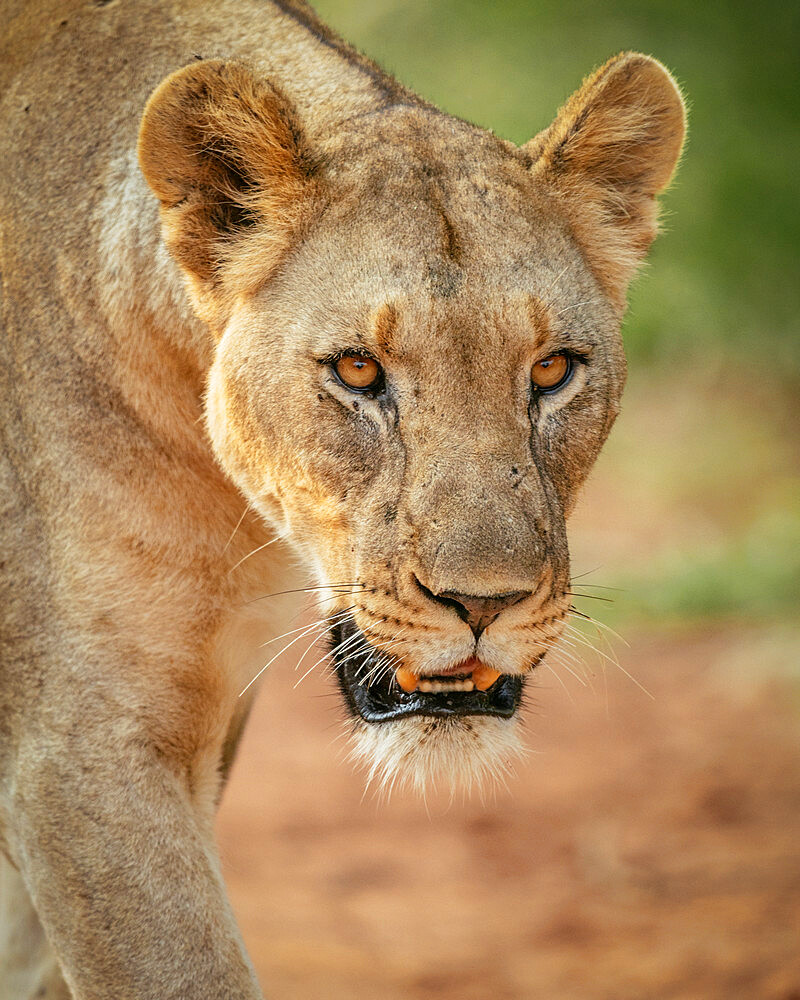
(418, 359)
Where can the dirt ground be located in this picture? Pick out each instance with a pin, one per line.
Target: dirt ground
(649, 847)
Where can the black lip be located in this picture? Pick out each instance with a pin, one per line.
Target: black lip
(383, 701)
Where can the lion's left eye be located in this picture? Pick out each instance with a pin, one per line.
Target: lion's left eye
(359, 372)
(552, 373)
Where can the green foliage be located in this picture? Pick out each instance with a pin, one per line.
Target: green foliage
(694, 508)
(752, 576)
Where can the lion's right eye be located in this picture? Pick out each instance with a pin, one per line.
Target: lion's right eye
(359, 372)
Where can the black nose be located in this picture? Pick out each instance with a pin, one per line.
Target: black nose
(477, 610)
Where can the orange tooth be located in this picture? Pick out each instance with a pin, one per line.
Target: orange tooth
(483, 677)
(407, 681)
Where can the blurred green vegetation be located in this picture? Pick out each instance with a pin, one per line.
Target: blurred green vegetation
(704, 518)
(693, 511)
(754, 577)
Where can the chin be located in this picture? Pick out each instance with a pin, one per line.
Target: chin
(423, 754)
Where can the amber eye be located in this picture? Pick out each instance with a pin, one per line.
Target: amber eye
(551, 373)
(358, 372)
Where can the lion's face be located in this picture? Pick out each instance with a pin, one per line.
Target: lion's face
(429, 493)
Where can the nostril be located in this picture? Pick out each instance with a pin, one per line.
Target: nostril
(480, 611)
(477, 610)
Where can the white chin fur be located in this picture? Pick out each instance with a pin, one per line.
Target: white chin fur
(422, 754)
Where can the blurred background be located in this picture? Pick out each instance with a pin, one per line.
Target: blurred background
(649, 846)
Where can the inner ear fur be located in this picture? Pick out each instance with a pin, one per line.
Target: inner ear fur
(612, 148)
(223, 153)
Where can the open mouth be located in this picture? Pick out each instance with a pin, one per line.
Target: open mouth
(378, 692)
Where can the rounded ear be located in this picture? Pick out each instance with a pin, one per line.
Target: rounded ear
(612, 148)
(222, 152)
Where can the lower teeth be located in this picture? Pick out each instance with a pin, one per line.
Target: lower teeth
(434, 687)
(480, 678)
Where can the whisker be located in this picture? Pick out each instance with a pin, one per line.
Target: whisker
(315, 640)
(574, 305)
(279, 653)
(589, 597)
(366, 663)
(354, 638)
(549, 304)
(316, 604)
(253, 552)
(588, 572)
(554, 672)
(597, 624)
(336, 649)
(303, 676)
(388, 643)
(380, 669)
(565, 665)
(340, 588)
(570, 653)
(238, 525)
(321, 621)
(381, 665)
(579, 637)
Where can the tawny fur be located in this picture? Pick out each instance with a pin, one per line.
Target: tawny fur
(175, 274)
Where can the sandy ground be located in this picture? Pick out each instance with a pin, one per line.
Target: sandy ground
(647, 848)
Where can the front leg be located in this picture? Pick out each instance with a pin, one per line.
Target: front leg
(116, 850)
(29, 967)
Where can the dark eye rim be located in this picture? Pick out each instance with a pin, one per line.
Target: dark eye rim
(375, 387)
(572, 361)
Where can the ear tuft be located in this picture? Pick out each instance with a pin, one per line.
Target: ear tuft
(224, 155)
(612, 148)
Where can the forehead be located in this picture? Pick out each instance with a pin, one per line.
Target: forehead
(445, 282)
(445, 224)
(435, 197)
(434, 228)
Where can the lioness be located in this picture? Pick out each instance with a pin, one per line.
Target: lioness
(283, 300)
